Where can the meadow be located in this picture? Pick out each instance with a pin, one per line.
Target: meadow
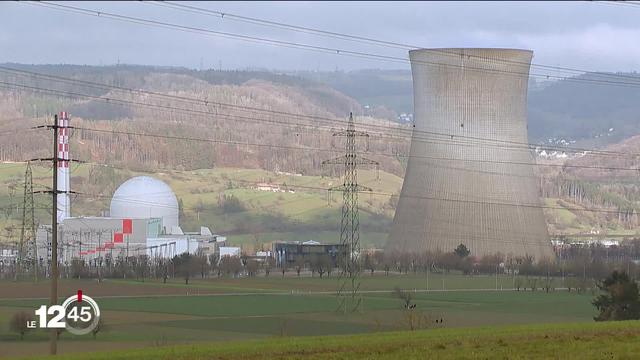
(151, 314)
(617, 340)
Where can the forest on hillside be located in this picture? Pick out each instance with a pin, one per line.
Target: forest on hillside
(285, 122)
(583, 110)
(209, 119)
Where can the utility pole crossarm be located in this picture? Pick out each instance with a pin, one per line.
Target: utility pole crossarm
(355, 159)
(59, 159)
(351, 133)
(355, 188)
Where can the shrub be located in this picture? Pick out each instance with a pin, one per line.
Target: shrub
(18, 323)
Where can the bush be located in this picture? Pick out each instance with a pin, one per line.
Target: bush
(231, 204)
(18, 323)
(620, 299)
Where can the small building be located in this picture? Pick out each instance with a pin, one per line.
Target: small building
(290, 252)
(8, 256)
(229, 251)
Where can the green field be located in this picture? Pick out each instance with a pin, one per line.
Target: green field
(219, 310)
(619, 340)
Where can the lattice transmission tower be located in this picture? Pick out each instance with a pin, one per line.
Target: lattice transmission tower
(349, 297)
(28, 250)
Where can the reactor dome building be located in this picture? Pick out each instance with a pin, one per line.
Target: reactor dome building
(144, 197)
(143, 220)
(470, 175)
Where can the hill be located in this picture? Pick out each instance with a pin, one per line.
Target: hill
(229, 131)
(243, 119)
(582, 110)
(288, 207)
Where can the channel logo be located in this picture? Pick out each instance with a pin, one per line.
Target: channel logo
(78, 314)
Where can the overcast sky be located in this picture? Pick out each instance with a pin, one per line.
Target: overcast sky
(586, 35)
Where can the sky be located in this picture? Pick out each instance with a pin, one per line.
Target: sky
(596, 36)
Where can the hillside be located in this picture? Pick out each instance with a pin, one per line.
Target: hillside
(228, 132)
(579, 110)
(242, 118)
(605, 180)
(297, 210)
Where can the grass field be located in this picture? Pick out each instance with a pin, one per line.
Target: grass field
(143, 315)
(618, 340)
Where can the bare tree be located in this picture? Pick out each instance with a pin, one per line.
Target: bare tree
(185, 266)
(404, 296)
(369, 262)
(200, 260)
(298, 265)
(141, 266)
(284, 267)
(252, 267)
(320, 264)
(269, 263)
(230, 265)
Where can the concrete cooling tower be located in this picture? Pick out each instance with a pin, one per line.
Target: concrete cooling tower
(470, 176)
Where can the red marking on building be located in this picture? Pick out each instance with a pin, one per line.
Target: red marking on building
(127, 226)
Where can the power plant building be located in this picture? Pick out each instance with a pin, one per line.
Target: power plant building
(143, 220)
(470, 176)
(146, 197)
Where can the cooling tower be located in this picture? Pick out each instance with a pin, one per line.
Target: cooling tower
(470, 176)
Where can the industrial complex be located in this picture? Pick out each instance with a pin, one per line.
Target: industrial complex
(143, 219)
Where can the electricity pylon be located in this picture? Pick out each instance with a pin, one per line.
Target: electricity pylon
(349, 297)
(28, 250)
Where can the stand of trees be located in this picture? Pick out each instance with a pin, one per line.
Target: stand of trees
(620, 299)
(580, 267)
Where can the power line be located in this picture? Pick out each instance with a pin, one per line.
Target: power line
(315, 208)
(333, 151)
(170, 137)
(373, 193)
(415, 134)
(616, 3)
(423, 197)
(362, 39)
(324, 189)
(443, 136)
(281, 43)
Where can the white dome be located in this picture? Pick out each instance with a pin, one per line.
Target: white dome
(146, 197)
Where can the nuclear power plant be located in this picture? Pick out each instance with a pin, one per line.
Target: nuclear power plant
(470, 176)
(143, 219)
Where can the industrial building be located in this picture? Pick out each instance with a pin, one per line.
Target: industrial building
(470, 176)
(143, 220)
(290, 252)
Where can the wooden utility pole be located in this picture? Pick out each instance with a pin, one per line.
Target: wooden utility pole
(53, 300)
